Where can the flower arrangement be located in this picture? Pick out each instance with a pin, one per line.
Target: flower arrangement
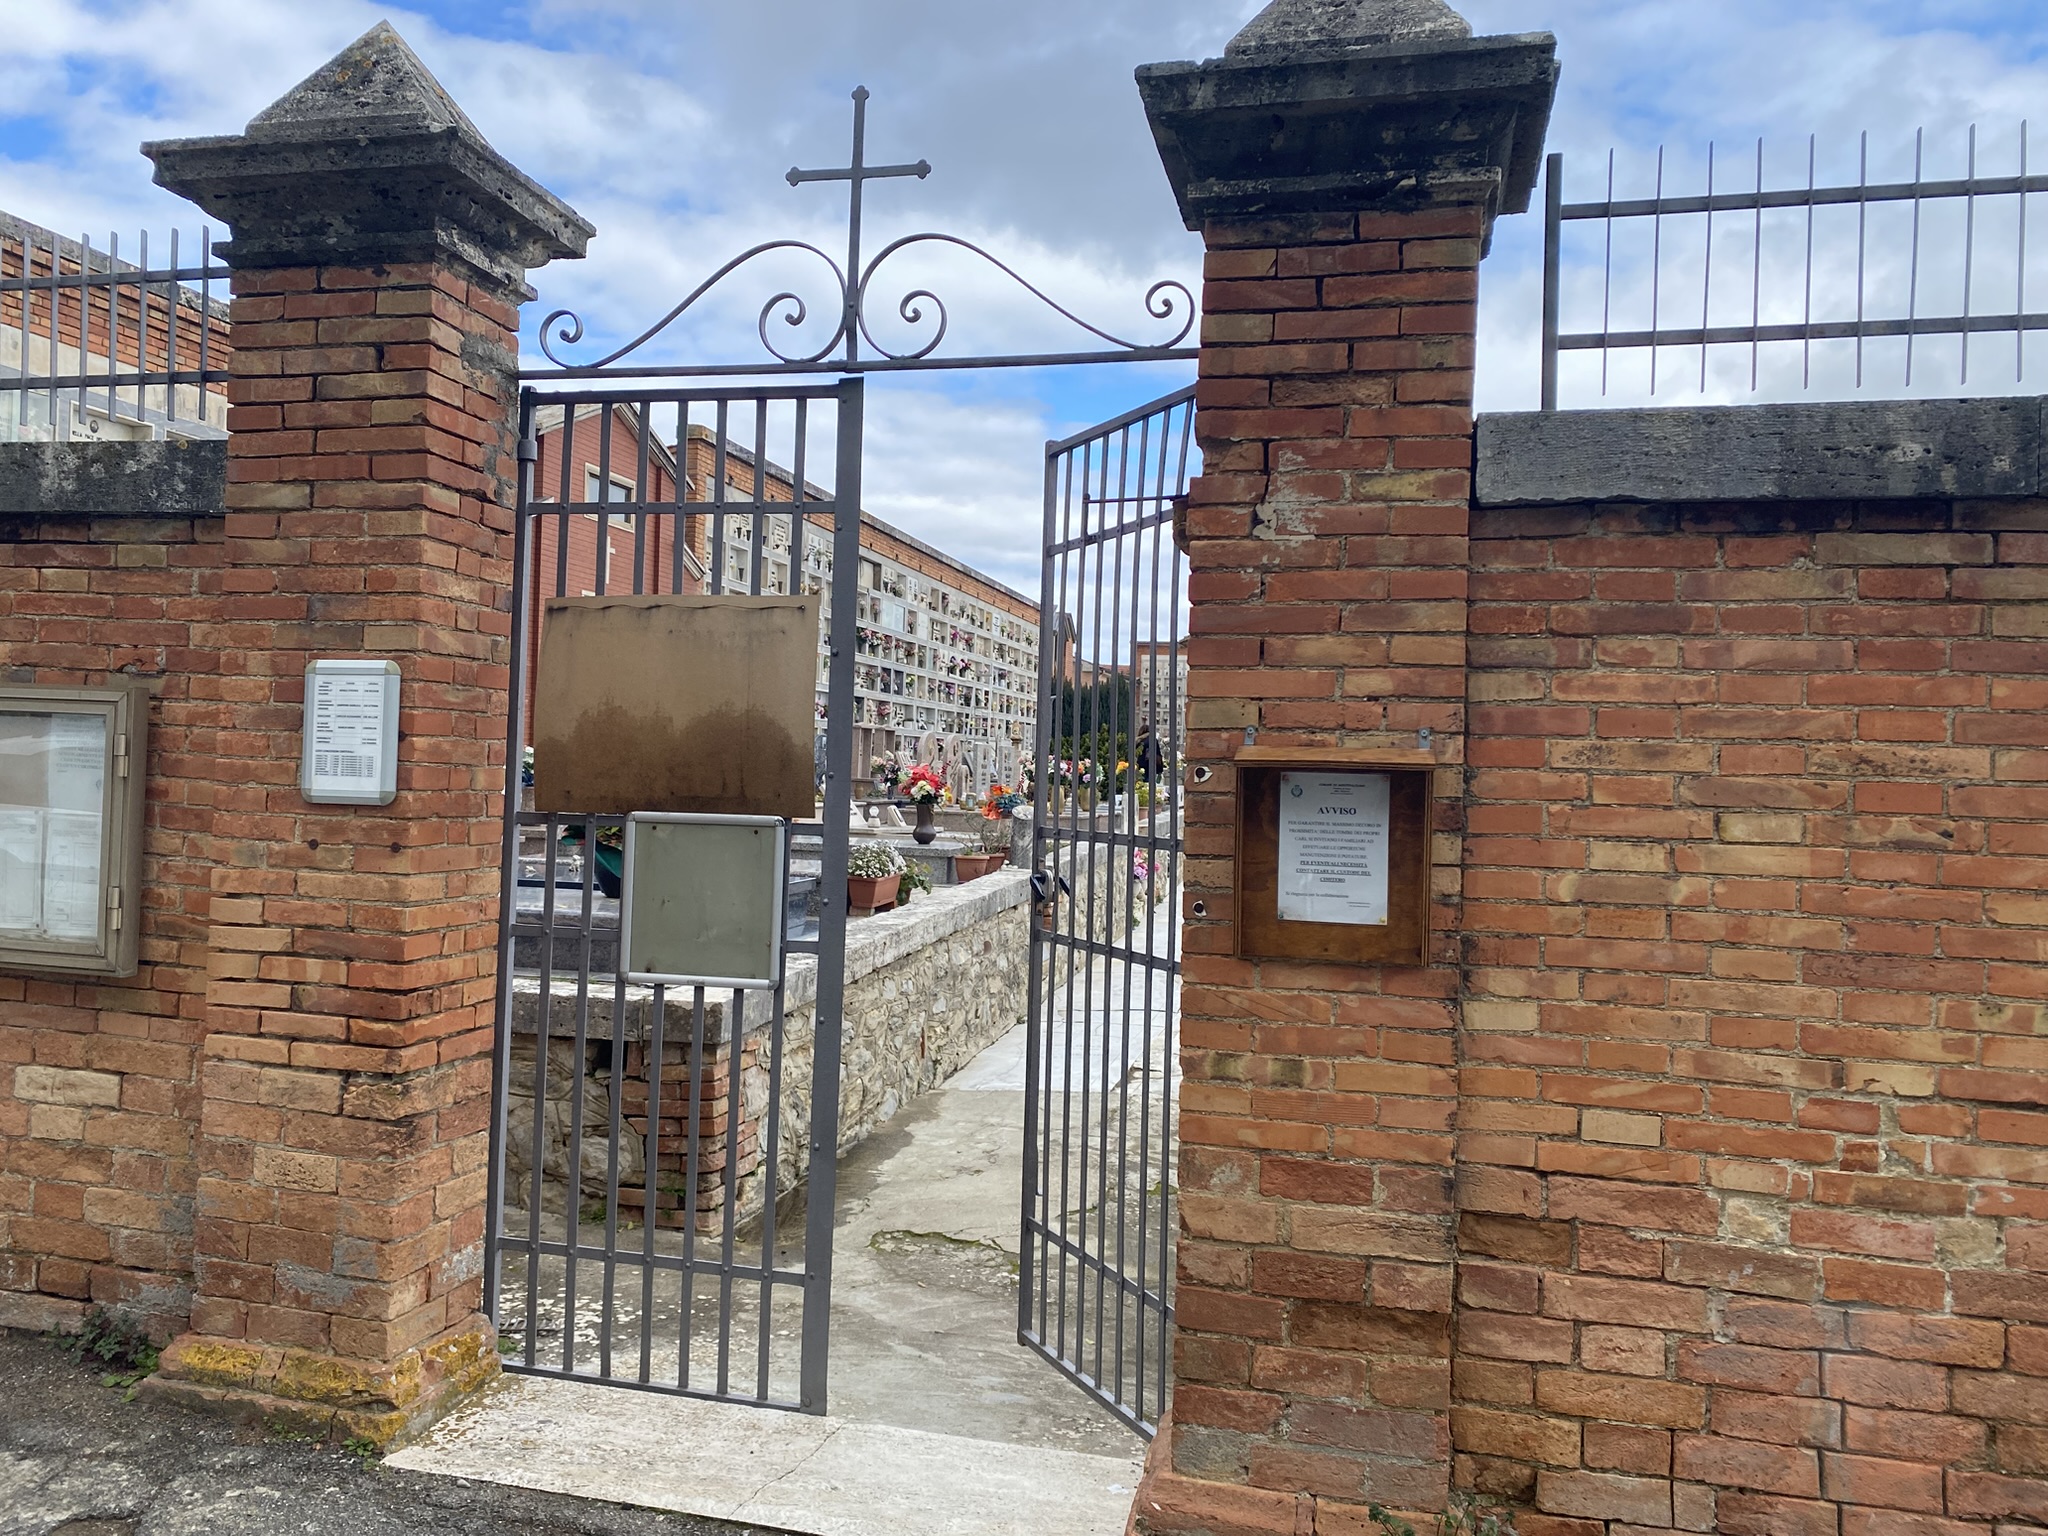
(924, 785)
(887, 772)
(873, 861)
(1141, 867)
(1001, 800)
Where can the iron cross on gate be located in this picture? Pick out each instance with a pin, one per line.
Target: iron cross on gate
(859, 173)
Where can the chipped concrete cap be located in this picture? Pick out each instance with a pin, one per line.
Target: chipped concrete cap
(376, 77)
(1292, 25)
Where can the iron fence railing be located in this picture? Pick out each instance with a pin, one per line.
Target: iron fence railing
(1858, 263)
(92, 345)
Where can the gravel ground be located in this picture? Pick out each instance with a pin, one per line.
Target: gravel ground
(78, 1459)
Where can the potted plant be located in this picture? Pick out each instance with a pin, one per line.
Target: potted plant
(874, 872)
(925, 788)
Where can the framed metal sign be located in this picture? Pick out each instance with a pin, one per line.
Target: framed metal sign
(349, 752)
(71, 803)
(701, 900)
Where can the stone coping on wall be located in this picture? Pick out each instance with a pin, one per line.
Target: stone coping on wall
(168, 478)
(872, 943)
(1865, 450)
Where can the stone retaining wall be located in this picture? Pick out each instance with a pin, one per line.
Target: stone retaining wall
(928, 988)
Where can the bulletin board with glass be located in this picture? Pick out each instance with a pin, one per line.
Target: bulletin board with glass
(1333, 856)
(70, 828)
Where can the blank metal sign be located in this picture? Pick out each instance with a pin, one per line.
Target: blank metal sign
(703, 900)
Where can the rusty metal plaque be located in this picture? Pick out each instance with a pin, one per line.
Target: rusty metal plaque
(698, 704)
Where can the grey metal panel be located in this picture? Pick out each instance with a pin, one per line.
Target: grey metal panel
(1856, 451)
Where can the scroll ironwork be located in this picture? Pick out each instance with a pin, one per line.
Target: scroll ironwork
(851, 288)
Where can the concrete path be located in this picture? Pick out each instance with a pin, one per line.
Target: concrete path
(814, 1476)
(942, 1424)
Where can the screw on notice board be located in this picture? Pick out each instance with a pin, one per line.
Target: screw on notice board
(1251, 735)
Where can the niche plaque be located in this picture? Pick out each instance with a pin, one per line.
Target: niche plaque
(1333, 857)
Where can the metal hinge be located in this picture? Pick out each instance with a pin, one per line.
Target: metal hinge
(120, 754)
(114, 908)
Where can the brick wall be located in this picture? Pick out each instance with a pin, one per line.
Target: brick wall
(1753, 1191)
(98, 1078)
(1328, 554)
(344, 1146)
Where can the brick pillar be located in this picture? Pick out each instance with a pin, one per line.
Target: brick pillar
(379, 248)
(1345, 186)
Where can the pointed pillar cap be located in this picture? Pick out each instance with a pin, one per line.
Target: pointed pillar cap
(1289, 25)
(1350, 106)
(369, 161)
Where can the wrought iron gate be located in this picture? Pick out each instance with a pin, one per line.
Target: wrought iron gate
(1095, 1295)
(647, 1141)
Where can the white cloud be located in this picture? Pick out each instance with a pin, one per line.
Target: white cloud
(670, 122)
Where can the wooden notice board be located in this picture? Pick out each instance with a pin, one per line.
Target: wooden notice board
(1333, 856)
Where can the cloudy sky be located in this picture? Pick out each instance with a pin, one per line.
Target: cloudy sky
(669, 124)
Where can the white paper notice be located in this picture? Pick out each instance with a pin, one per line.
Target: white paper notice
(21, 871)
(346, 722)
(78, 762)
(71, 875)
(1333, 847)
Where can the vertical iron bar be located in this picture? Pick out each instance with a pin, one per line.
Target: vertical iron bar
(758, 550)
(1862, 244)
(823, 1173)
(1607, 283)
(643, 454)
(601, 546)
(579, 1063)
(1553, 278)
(1806, 338)
(142, 334)
(650, 1186)
(1656, 271)
(113, 321)
(772, 1152)
(1707, 282)
(1029, 1269)
(1969, 251)
(205, 318)
(2020, 308)
(717, 500)
(1071, 924)
(84, 325)
(508, 896)
(736, 1016)
(171, 337)
(1913, 279)
(1756, 273)
(686, 1325)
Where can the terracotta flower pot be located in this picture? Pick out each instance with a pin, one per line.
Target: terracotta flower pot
(864, 898)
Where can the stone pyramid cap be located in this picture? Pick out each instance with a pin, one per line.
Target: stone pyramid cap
(1293, 25)
(375, 79)
(368, 161)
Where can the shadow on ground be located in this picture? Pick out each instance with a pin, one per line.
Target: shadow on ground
(77, 1459)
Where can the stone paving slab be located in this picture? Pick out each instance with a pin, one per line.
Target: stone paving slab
(812, 1476)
